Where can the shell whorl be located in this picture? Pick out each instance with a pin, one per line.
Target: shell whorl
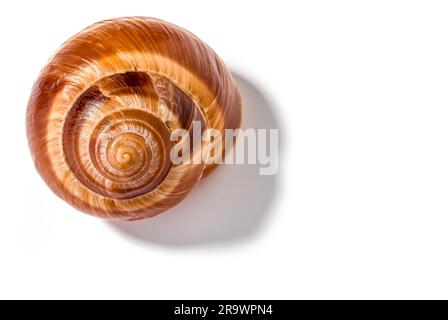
(101, 112)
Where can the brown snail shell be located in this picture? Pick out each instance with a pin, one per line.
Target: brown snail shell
(101, 111)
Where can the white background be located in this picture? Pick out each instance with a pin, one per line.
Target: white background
(359, 208)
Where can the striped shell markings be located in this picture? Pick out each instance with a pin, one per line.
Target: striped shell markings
(101, 114)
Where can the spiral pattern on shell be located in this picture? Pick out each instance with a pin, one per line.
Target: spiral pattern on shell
(102, 110)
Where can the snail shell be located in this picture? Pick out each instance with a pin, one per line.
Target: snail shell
(102, 110)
